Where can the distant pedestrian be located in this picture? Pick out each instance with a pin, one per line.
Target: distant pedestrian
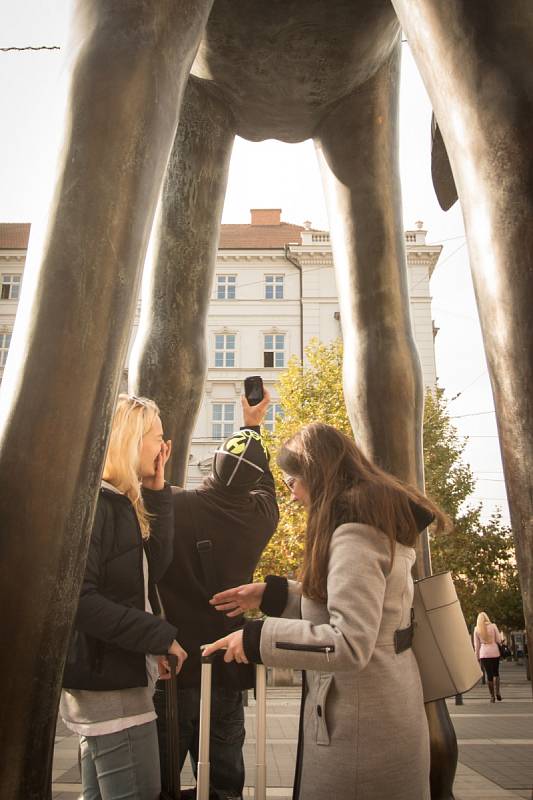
(487, 637)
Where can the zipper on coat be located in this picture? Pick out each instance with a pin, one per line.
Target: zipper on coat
(307, 648)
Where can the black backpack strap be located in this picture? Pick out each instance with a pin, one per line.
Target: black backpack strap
(204, 548)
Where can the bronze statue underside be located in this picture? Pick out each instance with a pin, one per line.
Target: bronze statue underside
(158, 92)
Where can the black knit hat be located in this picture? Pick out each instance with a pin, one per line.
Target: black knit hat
(241, 461)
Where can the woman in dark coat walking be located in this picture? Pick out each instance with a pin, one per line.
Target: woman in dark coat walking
(119, 643)
(363, 730)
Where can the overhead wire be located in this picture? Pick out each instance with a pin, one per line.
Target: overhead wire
(29, 47)
(57, 47)
(472, 414)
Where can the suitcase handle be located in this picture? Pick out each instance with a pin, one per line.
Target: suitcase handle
(203, 766)
(172, 662)
(202, 785)
(173, 789)
(260, 743)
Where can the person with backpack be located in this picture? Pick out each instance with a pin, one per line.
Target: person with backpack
(221, 529)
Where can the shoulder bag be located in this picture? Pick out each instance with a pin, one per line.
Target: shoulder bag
(441, 642)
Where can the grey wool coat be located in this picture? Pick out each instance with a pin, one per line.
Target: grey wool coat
(363, 729)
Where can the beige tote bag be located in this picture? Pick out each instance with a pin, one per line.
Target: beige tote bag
(441, 642)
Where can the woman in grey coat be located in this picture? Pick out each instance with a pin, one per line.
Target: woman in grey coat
(347, 623)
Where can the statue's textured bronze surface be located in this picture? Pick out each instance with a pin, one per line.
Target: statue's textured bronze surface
(130, 66)
(288, 69)
(476, 60)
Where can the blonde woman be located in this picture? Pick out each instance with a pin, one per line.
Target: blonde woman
(110, 673)
(487, 637)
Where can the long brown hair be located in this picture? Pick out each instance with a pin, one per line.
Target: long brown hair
(344, 486)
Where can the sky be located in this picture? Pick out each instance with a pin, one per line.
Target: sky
(267, 175)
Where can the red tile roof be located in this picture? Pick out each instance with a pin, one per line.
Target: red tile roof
(14, 235)
(258, 237)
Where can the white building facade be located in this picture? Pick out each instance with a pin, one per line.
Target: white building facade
(274, 290)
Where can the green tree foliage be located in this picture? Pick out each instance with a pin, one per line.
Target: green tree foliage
(479, 554)
(309, 395)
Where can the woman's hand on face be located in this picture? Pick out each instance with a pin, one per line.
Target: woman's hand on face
(234, 602)
(157, 480)
(163, 664)
(232, 644)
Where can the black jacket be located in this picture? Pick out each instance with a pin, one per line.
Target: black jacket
(112, 631)
(239, 525)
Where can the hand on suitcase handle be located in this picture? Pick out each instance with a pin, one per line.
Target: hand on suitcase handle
(232, 644)
(177, 654)
(242, 598)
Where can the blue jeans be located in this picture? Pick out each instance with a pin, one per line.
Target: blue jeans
(121, 766)
(226, 740)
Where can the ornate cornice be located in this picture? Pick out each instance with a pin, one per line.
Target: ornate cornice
(224, 256)
(17, 259)
(315, 257)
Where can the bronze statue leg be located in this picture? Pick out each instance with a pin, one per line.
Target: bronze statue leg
(130, 64)
(169, 358)
(357, 147)
(475, 59)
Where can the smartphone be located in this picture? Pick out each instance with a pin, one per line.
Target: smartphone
(253, 389)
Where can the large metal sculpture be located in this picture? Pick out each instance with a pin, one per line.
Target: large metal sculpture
(289, 69)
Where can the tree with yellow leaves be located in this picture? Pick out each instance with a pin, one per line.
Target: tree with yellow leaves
(479, 554)
(311, 394)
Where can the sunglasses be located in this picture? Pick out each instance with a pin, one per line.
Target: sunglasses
(138, 401)
(289, 482)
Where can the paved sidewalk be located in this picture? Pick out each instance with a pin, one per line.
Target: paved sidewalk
(496, 739)
(495, 744)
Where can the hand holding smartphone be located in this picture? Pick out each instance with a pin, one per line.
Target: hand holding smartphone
(255, 401)
(253, 389)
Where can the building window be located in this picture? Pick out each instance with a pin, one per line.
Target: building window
(226, 285)
(223, 420)
(274, 350)
(10, 287)
(273, 287)
(225, 350)
(274, 410)
(5, 341)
